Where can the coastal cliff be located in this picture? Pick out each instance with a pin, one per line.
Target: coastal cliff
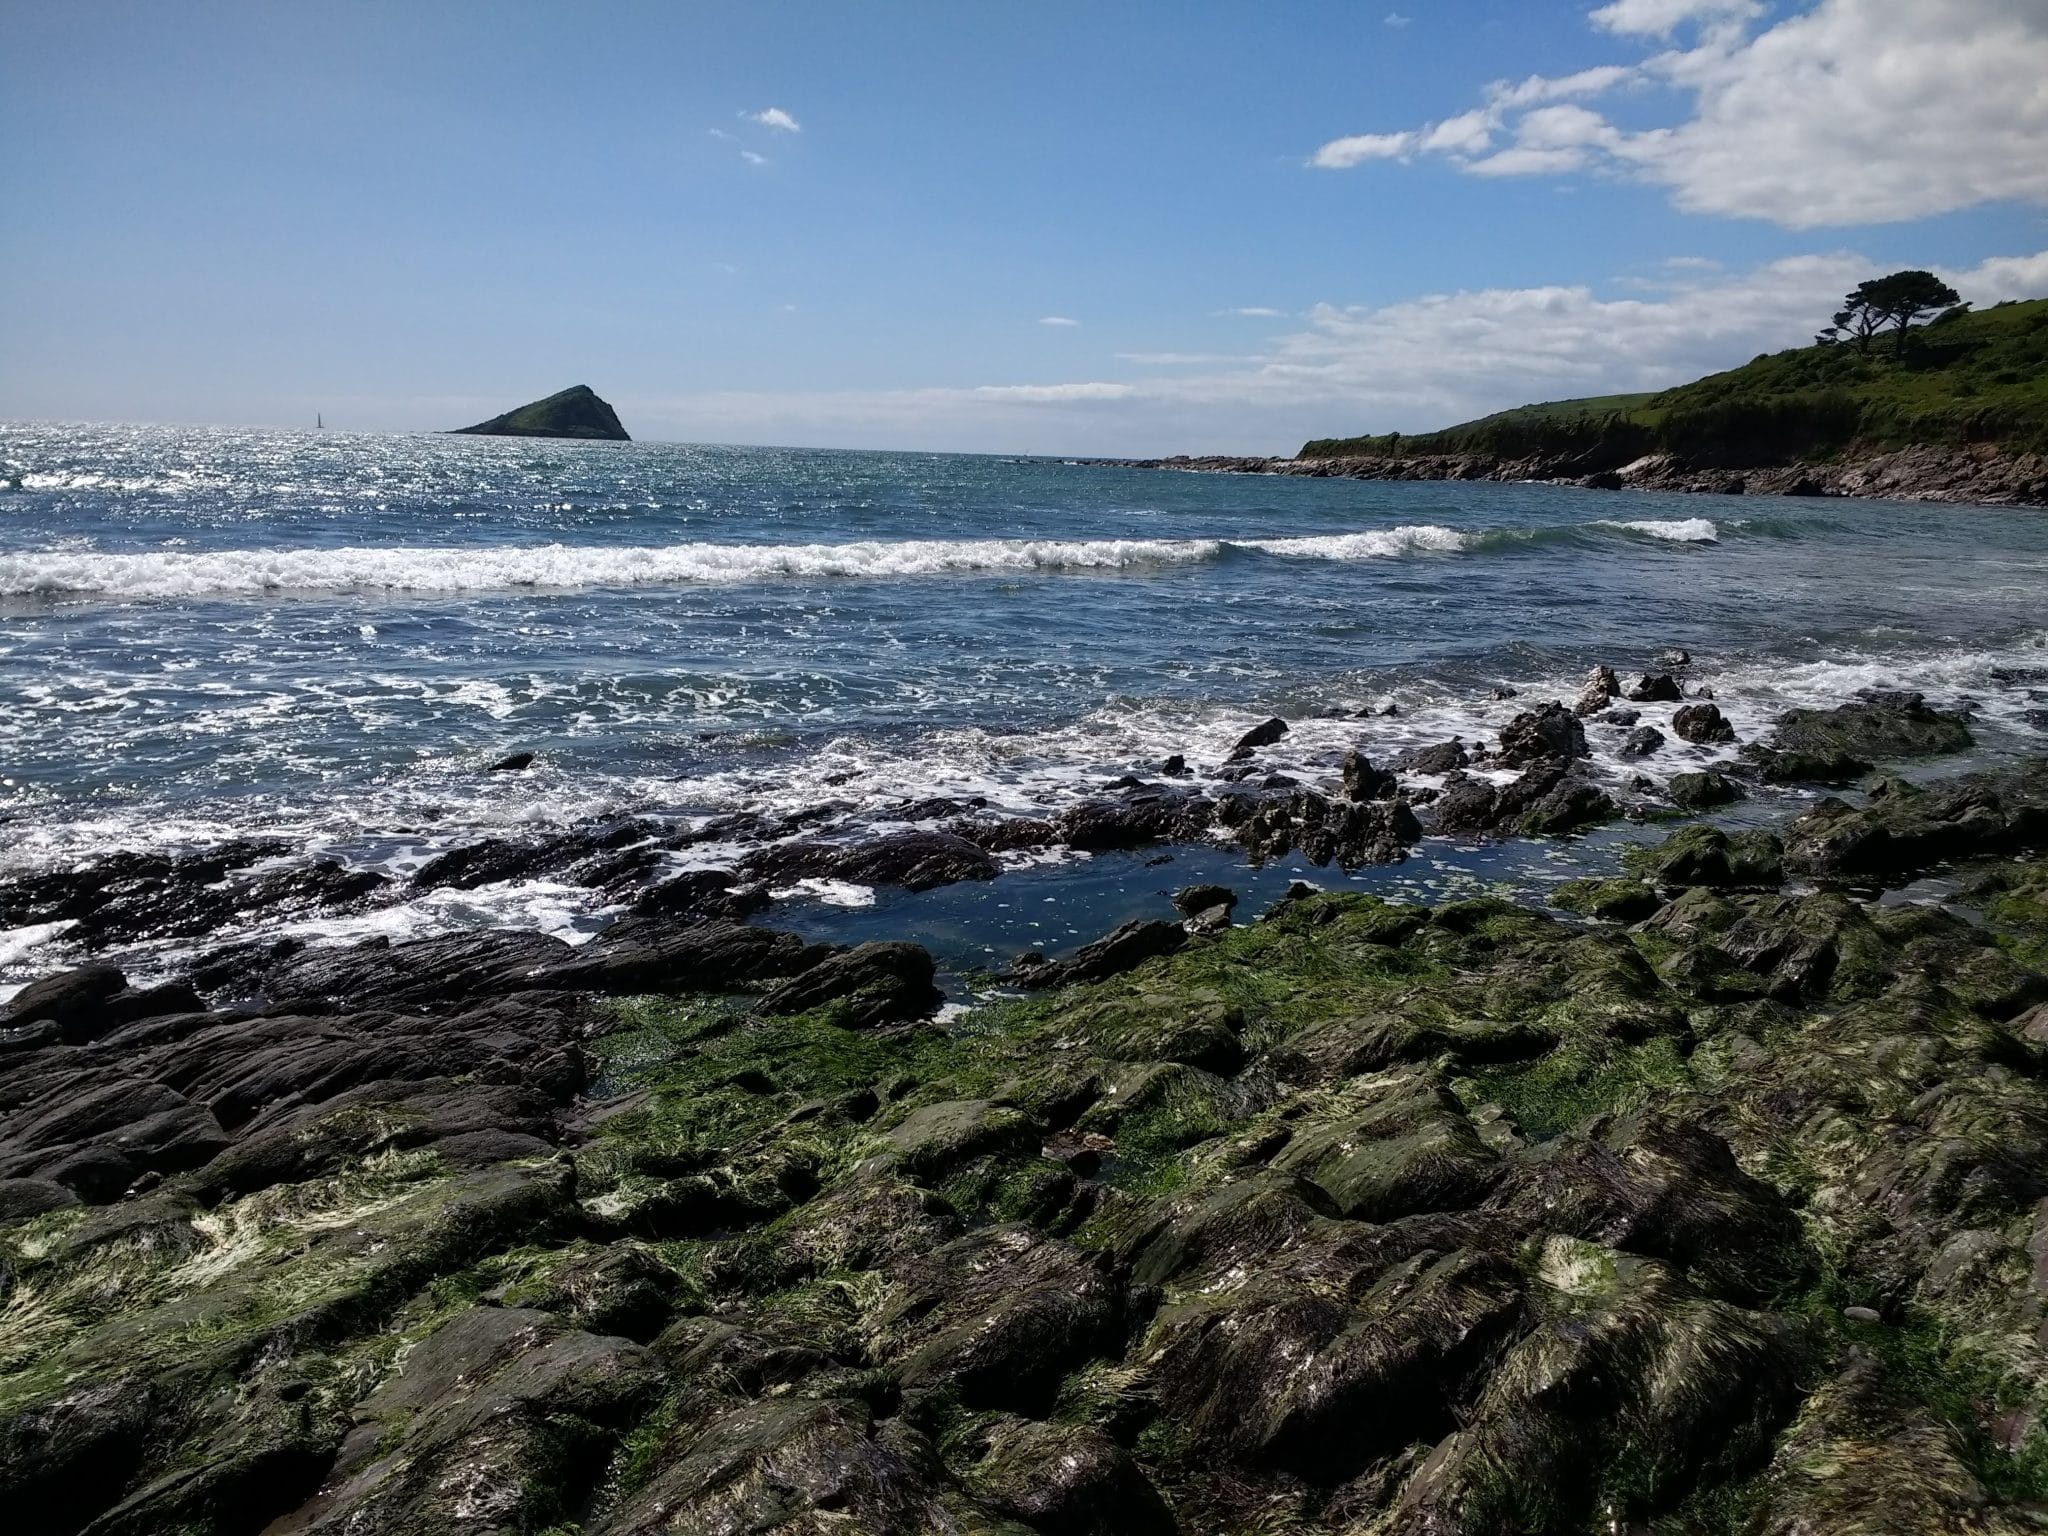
(576, 412)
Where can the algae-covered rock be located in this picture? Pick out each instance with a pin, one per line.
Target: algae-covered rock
(1708, 856)
(1703, 790)
(1877, 728)
(1068, 1480)
(1624, 901)
(1392, 1146)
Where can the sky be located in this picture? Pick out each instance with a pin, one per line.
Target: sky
(1062, 227)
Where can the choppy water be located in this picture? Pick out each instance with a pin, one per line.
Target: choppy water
(209, 633)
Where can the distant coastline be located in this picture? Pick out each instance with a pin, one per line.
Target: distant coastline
(1975, 475)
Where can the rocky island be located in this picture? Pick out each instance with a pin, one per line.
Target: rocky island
(575, 412)
(1703, 1200)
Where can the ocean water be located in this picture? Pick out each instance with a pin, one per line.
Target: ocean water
(328, 637)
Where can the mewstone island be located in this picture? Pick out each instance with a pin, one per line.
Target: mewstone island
(1207, 925)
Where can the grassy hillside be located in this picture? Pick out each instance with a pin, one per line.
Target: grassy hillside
(1966, 378)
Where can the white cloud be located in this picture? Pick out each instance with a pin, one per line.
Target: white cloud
(1409, 366)
(1059, 320)
(774, 117)
(1660, 18)
(1041, 394)
(1182, 359)
(752, 158)
(1396, 19)
(1254, 312)
(720, 133)
(1342, 154)
(1850, 112)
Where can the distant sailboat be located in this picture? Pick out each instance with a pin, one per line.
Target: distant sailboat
(319, 425)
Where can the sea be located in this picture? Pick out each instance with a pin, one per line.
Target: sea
(330, 637)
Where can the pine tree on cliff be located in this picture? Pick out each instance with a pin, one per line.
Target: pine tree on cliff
(1898, 300)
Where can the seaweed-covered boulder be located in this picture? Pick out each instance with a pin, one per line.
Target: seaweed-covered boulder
(1119, 950)
(1875, 728)
(1703, 790)
(1624, 901)
(1903, 826)
(880, 982)
(937, 1138)
(1391, 1146)
(1708, 856)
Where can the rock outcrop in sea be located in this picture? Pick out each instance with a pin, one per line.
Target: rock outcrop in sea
(575, 412)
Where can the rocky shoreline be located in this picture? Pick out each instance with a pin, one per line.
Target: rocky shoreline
(1970, 475)
(1708, 1200)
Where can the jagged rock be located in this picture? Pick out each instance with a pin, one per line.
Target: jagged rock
(1353, 833)
(512, 762)
(1643, 741)
(1149, 813)
(1263, 734)
(1904, 827)
(1362, 781)
(1602, 689)
(619, 1289)
(1656, 688)
(1444, 757)
(1190, 900)
(881, 982)
(917, 861)
(1550, 734)
(702, 895)
(1702, 723)
(1829, 767)
(1115, 952)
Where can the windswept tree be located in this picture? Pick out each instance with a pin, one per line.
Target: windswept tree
(1899, 300)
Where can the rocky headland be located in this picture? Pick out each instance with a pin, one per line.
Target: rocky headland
(1706, 1198)
(1973, 475)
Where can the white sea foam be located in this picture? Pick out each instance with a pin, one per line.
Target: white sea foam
(1682, 530)
(254, 572)
(1374, 544)
(482, 569)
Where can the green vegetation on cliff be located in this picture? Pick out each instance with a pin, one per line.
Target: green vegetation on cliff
(572, 412)
(1962, 379)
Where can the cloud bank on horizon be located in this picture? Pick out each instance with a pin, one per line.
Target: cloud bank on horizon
(1854, 112)
(1411, 365)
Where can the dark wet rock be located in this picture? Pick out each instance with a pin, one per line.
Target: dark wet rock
(1708, 856)
(74, 1000)
(500, 1410)
(620, 1289)
(917, 861)
(1006, 834)
(650, 954)
(1703, 724)
(1504, 692)
(1150, 813)
(512, 762)
(1190, 900)
(1903, 827)
(998, 1317)
(787, 1464)
(1656, 688)
(1175, 767)
(1875, 728)
(1352, 833)
(23, 1198)
(1643, 741)
(1549, 800)
(1549, 734)
(1800, 767)
(1622, 901)
(702, 895)
(1621, 717)
(1068, 1480)
(1115, 952)
(1444, 757)
(1362, 781)
(447, 970)
(1264, 734)
(1703, 791)
(880, 982)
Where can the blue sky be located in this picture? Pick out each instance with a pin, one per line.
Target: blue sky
(835, 224)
